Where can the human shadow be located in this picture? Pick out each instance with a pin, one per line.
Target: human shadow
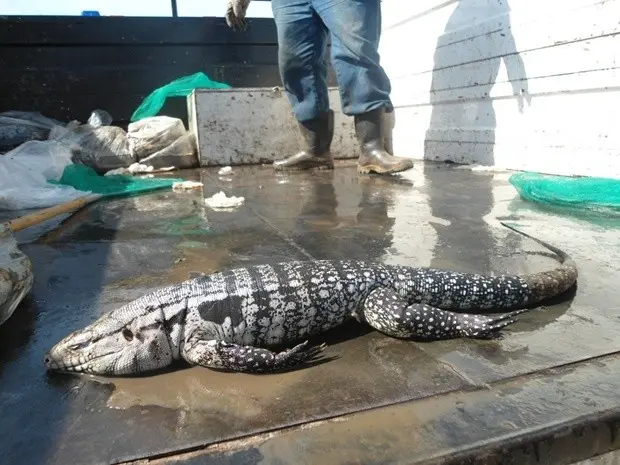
(467, 60)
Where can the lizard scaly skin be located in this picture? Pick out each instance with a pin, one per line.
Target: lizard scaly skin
(232, 319)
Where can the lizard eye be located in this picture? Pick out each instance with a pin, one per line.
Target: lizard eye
(77, 346)
(127, 334)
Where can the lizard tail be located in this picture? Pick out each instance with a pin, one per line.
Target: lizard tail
(547, 284)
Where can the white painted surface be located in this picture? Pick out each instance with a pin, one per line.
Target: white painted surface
(247, 126)
(516, 84)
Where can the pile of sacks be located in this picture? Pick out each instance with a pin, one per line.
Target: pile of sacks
(156, 142)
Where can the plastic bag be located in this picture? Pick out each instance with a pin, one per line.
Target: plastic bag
(181, 154)
(100, 118)
(49, 158)
(151, 135)
(25, 172)
(162, 141)
(104, 148)
(17, 127)
(33, 117)
(181, 87)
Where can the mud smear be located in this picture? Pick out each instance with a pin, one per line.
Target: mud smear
(362, 372)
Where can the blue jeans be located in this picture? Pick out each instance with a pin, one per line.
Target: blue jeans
(355, 26)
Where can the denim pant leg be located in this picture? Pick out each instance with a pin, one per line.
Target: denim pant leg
(355, 27)
(302, 56)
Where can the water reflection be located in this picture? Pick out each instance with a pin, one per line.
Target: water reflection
(464, 240)
(348, 217)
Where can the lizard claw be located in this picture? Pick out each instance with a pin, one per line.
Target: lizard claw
(478, 326)
(299, 354)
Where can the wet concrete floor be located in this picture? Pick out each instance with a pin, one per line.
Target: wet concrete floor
(436, 215)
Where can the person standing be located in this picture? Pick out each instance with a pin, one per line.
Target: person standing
(355, 27)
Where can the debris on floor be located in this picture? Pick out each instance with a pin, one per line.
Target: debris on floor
(220, 201)
(138, 168)
(225, 171)
(494, 168)
(186, 185)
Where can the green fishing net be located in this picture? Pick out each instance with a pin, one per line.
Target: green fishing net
(84, 178)
(181, 87)
(576, 193)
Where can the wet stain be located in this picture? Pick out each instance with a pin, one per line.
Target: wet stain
(394, 367)
(115, 251)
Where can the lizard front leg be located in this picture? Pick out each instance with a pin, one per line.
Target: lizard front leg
(387, 312)
(218, 354)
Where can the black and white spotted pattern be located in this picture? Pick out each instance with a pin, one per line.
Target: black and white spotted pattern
(269, 305)
(387, 312)
(232, 319)
(218, 354)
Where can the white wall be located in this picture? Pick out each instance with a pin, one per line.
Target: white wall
(520, 84)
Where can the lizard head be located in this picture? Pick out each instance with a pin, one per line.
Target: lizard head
(129, 340)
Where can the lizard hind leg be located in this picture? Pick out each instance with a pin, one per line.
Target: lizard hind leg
(222, 355)
(387, 312)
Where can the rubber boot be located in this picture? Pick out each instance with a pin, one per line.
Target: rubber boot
(318, 134)
(369, 128)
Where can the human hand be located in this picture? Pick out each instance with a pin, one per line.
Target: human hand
(235, 14)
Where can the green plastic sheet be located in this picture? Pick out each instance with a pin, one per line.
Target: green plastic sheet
(84, 178)
(181, 87)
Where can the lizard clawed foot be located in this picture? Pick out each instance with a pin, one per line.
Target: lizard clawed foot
(478, 326)
(299, 354)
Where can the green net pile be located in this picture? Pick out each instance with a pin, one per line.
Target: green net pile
(84, 178)
(584, 193)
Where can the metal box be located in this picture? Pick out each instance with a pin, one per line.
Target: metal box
(256, 125)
